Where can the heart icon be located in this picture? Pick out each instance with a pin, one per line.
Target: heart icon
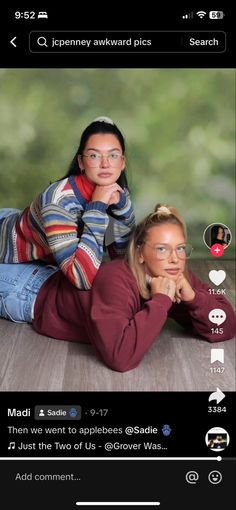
(217, 277)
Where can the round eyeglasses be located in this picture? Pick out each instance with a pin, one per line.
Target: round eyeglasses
(164, 251)
(94, 159)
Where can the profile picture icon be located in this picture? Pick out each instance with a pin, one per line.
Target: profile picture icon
(217, 234)
(217, 439)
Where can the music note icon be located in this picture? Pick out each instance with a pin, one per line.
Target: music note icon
(12, 446)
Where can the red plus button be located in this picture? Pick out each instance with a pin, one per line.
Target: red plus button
(217, 250)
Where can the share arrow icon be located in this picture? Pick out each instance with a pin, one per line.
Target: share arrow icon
(217, 395)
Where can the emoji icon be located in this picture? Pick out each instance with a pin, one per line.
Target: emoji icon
(215, 477)
(73, 412)
(166, 430)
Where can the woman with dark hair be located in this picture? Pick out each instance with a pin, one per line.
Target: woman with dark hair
(66, 224)
(130, 300)
(218, 235)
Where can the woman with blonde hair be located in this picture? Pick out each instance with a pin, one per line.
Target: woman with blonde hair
(131, 299)
(150, 275)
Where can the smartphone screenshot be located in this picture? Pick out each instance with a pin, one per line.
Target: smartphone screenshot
(117, 257)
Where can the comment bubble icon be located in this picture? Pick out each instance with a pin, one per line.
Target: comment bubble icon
(217, 316)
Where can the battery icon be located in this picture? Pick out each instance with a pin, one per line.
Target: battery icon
(216, 14)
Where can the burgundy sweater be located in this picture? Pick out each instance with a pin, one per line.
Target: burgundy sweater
(114, 318)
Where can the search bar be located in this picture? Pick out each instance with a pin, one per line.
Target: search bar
(160, 41)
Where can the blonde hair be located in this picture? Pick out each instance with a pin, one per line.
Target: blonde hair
(162, 214)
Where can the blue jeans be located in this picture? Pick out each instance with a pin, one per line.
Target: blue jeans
(19, 286)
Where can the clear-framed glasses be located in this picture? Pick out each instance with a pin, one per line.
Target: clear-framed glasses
(164, 251)
(94, 159)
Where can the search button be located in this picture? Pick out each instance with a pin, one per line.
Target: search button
(42, 41)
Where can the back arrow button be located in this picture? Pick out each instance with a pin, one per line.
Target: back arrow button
(12, 42)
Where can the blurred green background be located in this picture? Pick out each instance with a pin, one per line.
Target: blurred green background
(178, 125)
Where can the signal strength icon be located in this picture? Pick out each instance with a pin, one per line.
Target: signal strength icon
(188, 16)
(201, 14)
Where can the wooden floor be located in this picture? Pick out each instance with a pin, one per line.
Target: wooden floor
(31, 362)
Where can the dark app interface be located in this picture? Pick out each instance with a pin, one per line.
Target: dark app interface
(117, 251)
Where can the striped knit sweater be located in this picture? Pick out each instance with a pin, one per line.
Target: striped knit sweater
(62, 227)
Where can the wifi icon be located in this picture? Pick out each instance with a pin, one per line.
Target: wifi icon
(201, 14)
